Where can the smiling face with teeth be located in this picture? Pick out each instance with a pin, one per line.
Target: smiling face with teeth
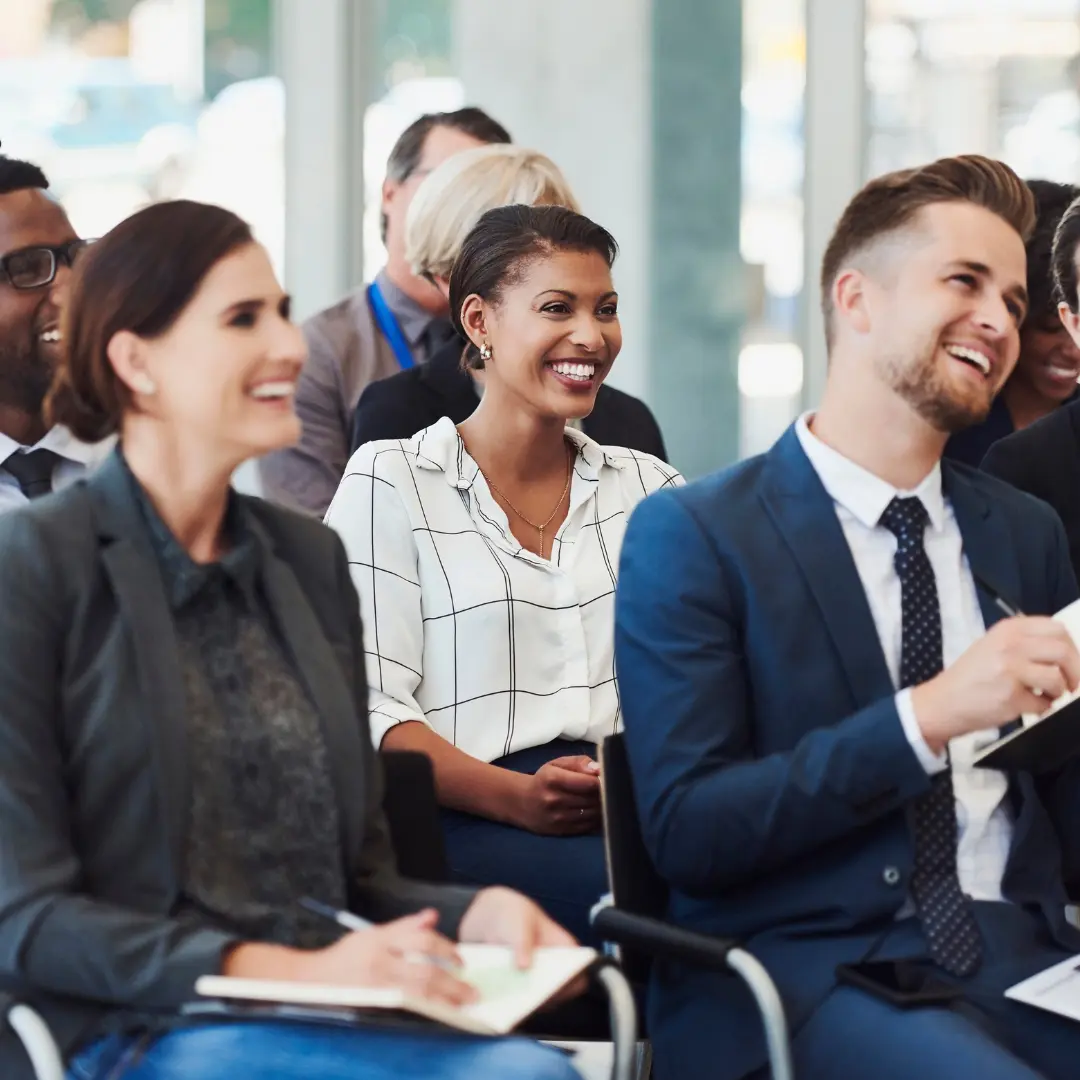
(554, 333)
(222, 377)
(29, 318)
(938, 310)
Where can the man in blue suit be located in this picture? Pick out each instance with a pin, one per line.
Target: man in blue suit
(810, 653)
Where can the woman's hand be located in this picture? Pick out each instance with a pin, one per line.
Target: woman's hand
(562, 798)
(500, 916)
(407, 954)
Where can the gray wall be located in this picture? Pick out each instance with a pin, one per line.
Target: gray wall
(638, 103)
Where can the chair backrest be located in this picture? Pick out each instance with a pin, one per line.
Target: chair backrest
(412, 812)
(635, 885)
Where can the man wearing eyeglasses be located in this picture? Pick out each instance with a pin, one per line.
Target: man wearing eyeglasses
(37, 248)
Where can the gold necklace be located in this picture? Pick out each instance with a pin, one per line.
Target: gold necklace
(558, 505)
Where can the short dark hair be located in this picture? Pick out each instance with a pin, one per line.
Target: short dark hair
(1051, 201)
(405, 156)
(890, 202)
(16, 175)
(138, 277)
(504, 241)
(1063, 257)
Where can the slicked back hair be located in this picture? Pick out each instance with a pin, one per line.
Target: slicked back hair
(888, 203)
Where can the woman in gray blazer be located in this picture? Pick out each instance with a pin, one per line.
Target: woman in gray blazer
(184, 744)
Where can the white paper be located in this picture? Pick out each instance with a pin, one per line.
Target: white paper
(507, 995)
(1057, 989)
(1069, 617)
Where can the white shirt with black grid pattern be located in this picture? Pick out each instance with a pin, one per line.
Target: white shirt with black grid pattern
(465, 630)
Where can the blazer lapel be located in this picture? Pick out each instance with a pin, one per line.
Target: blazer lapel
(321, 675)
(991, 555)
(988, 543)
(132, 569)
(804, 513)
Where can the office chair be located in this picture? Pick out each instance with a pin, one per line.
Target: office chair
(412, 812)
(416, 834)
(632, 916)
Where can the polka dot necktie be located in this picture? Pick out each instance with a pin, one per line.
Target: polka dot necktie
(33, 469)
(944, 911)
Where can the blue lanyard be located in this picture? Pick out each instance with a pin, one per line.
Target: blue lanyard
(390, 328)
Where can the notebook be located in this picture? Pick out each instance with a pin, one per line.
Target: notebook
(1041, 742)
(507, 994)
(1057, 989)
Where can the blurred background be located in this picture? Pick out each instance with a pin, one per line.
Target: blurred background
(717, 139)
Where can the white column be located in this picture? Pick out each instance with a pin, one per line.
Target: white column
(321, 48)
(571, 78)
(322, 57)
(835, 151)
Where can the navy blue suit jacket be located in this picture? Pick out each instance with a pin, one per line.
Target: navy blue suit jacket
(770, 764)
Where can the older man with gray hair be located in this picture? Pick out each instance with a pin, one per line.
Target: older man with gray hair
(395, 322)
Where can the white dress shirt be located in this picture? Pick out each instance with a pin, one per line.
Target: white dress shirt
(465, 630)
(77, 458)
(983, 817)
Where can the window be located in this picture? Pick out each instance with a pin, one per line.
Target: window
(413, 75)
(998, 77)
(773, 159)
(123, 102)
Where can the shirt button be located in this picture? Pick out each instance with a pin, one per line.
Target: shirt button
(890, 875)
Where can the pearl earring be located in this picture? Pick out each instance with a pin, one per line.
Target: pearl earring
(145, 385)
(485, 352)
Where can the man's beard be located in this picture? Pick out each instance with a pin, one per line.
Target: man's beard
(922, 385)
(25, 375)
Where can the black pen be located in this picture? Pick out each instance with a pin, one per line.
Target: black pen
(1002, 603)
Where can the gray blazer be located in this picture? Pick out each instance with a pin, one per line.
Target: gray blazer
(93, 765)
(346, 352)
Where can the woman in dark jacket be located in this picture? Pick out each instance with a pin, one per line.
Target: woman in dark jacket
(184, 744)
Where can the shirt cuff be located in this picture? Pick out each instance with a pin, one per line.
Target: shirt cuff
(931, 762)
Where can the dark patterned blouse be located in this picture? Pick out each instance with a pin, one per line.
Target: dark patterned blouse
(263, 827)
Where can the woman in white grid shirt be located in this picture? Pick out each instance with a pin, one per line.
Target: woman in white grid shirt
(485, 558)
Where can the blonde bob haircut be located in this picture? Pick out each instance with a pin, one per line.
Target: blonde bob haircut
(452, 199)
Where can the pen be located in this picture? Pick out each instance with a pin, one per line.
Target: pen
(345, 919)
(998, 599)
(349, 921)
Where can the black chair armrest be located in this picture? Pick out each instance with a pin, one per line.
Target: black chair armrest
(661, 939)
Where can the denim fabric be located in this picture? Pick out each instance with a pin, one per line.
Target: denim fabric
(300, 1051)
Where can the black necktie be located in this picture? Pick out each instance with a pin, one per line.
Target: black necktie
(34, 471)
(944, 911)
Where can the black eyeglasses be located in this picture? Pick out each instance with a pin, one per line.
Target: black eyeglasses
(34, 267)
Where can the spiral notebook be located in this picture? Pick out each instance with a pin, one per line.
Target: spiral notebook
(508, 995)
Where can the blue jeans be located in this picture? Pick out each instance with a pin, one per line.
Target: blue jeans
(283, 1051)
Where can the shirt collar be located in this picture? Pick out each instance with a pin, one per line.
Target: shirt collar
(183, 577)
(412, 317)
(441, 448)
(864, 495)
(62, 443)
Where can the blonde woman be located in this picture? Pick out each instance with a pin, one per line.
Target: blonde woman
(485, 555)
(444, 210)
